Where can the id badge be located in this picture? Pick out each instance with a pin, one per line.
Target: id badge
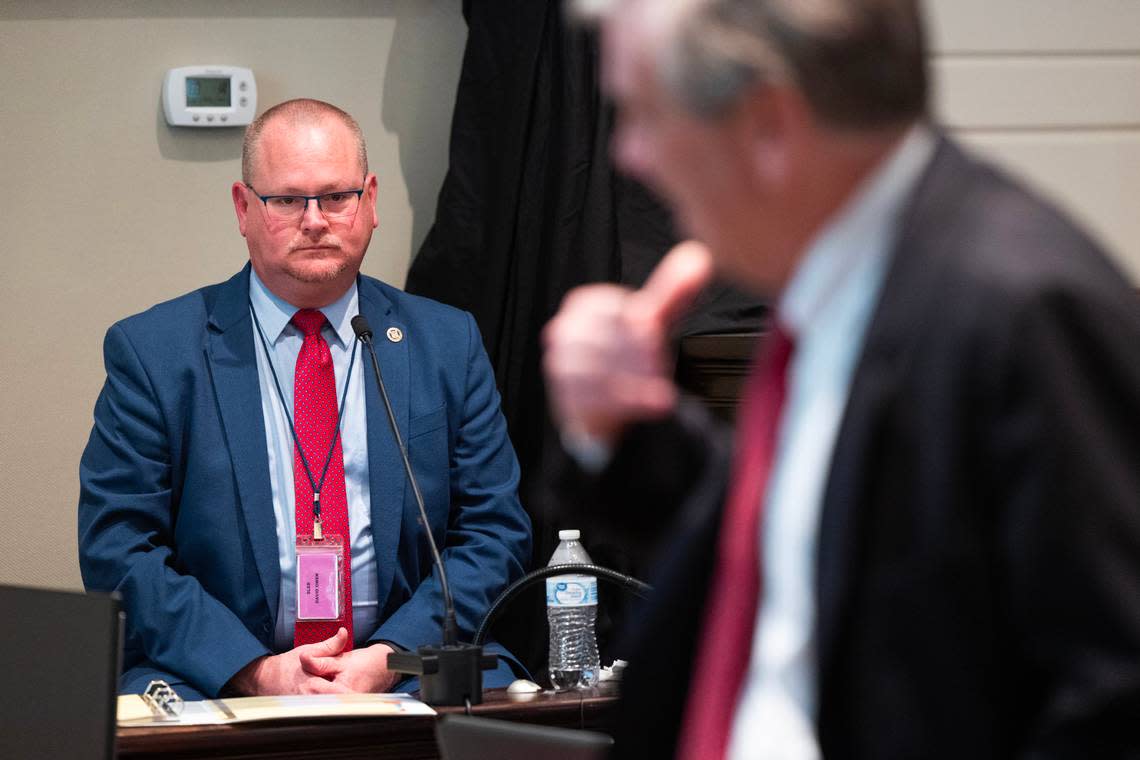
(319, 568)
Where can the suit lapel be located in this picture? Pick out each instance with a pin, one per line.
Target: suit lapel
(386, 478)
(896, 326)
(233, 370)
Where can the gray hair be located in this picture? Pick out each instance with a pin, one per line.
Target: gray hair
(859, 63)
(298, 112)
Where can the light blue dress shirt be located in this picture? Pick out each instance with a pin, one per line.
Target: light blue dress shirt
(826, 308)
(284, 342)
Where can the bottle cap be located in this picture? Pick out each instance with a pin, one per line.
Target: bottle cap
(569, 535)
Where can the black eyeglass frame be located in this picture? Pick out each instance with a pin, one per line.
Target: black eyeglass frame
(359, 192)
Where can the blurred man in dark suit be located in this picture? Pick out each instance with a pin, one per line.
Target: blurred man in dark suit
(928, 541)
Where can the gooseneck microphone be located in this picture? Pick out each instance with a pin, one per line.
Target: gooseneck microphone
(450, 627)
(451, 674)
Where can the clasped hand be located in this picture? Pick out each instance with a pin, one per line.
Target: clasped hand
(321, 668)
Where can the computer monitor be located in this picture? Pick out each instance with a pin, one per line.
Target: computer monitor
(60, 656)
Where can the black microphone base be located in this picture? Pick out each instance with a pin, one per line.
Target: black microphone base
(449, 675)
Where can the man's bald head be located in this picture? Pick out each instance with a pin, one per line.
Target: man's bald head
(297, 113)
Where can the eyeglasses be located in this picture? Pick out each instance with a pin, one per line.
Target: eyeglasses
(290, 208)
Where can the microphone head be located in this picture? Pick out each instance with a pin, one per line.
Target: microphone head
(361, 328)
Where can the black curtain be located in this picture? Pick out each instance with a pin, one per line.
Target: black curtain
(530, 208)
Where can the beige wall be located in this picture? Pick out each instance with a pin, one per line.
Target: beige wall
(106, 210)
(1051, 89)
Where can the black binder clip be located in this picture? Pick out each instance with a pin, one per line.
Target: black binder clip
(162, 700)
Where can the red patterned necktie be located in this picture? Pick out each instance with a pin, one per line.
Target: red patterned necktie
(725, 645)
(315, 419)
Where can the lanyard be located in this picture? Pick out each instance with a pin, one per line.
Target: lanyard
(313, 484)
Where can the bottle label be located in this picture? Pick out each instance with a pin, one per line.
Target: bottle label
(571, 591)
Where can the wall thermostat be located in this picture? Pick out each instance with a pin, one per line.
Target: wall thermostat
(209, 96)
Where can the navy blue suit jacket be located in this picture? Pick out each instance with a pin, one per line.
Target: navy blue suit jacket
(175, 511)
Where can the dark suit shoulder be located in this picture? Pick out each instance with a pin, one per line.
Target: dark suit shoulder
(1000, 236)
(979, 256)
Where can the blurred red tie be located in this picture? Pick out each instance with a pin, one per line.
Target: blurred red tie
(725, 643)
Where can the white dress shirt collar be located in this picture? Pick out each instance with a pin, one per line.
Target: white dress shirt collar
(274, 313)
(869, 216)
(827, 308)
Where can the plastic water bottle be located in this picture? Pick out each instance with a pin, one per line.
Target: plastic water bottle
(572, 609)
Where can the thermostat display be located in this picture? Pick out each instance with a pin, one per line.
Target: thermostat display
(212, 92)
(209, 96)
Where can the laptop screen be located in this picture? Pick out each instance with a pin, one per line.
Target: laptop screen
(60, 653)
(463, 737)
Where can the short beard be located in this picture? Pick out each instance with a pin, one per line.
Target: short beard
(313, 271)
(315, 275)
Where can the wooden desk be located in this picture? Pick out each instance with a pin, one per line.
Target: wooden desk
(377, 738)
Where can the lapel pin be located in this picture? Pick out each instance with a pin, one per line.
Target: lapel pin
(395, 334)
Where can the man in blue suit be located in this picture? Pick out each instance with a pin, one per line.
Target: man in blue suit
(191, 476)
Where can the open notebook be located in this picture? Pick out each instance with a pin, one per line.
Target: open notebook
(136, 710)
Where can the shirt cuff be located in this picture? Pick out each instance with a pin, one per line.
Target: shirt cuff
(395, 647)
(591, 454)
